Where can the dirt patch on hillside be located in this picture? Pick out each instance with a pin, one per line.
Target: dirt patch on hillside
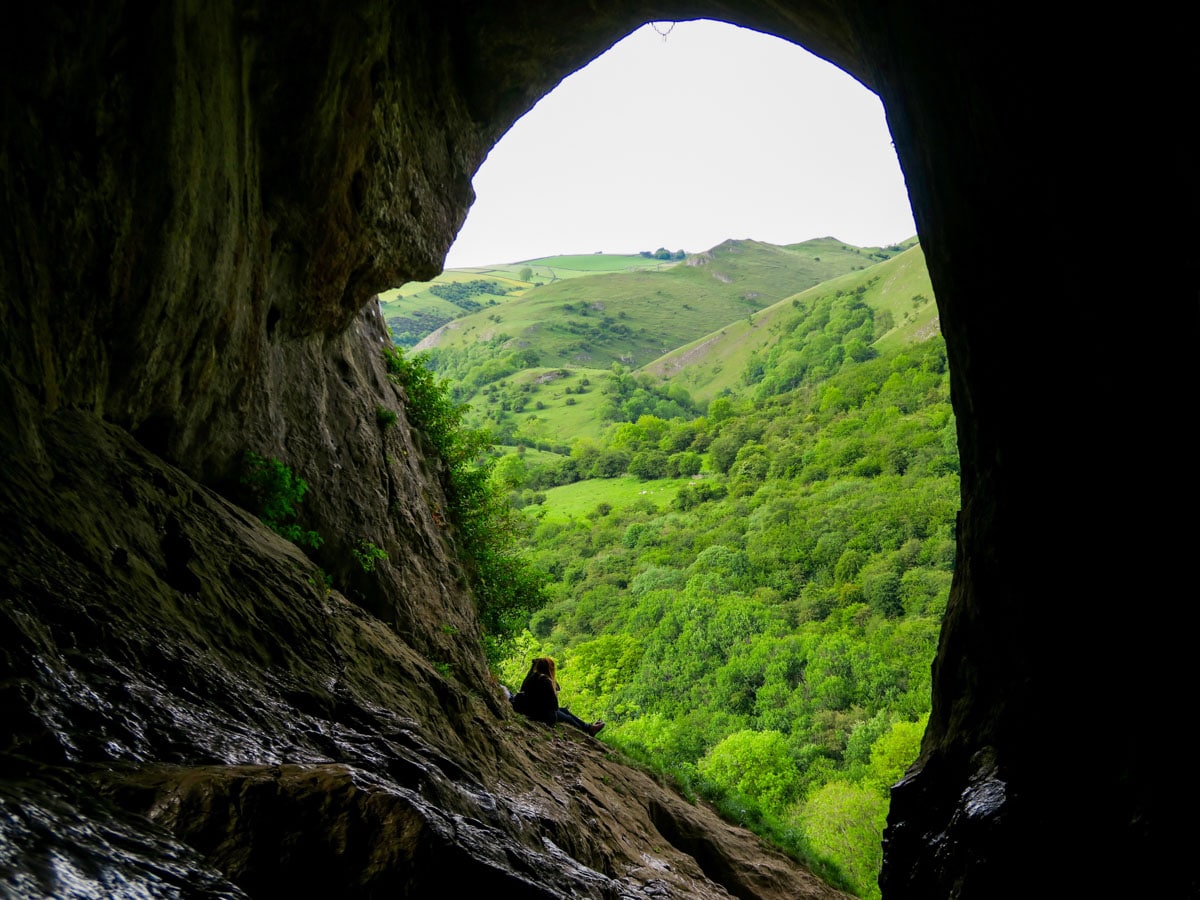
(687, 358)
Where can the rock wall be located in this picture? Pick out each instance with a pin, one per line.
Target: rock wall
(200, 200)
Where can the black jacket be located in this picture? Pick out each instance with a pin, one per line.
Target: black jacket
(537, 699)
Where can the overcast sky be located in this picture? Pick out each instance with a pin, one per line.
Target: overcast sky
(712, 132)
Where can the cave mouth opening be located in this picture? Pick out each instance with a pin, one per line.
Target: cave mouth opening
(741, 135)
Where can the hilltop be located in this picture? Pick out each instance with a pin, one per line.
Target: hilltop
(635, 314)
(897, 289)
(537, 363)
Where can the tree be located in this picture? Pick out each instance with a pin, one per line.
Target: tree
(611, 463)
(751, 462)
(685, 464)
(893, 752)
(720, 408)
(723, 451)
(510, 471)
(648, 464)
(757, 764)
(882, 590)
(846, 822)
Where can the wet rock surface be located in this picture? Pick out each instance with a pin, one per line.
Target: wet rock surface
(192, 710)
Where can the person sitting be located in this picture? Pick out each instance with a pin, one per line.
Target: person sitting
(538, 698)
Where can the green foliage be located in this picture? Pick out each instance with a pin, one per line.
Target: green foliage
(847, 822)
(368, 555)
(799, 596)
(385, 417)
(274, 492)
(506, 587)
(893, 752)
(755, 763)
(462, 293)
(763, 582)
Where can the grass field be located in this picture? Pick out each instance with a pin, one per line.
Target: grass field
(581, 499)
(563, 416)
(550, 268)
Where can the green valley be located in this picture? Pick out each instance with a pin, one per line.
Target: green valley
(737, 476)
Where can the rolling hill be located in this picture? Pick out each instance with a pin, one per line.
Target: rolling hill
(634, 317)
(421, 307)
(545, 365)
(898, 289)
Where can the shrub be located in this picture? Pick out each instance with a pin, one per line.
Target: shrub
(755, 763)
(846, 822)
(368, 554)
(385, 417)
(273, 492)
(505, 587)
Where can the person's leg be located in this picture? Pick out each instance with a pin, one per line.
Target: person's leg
(565, 715)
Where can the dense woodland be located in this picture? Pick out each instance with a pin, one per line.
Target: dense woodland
(760, 628)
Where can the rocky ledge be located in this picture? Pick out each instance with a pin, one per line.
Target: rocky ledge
(193, 712)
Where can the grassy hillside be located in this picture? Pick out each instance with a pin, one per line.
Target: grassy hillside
(416, 310)
(635, 317)
(545, 406)
(547, 269)
(898, 289)
(547, 366)
(583, 499)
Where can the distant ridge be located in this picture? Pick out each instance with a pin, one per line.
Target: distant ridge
(534, 362)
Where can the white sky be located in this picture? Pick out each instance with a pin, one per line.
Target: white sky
(714, 132)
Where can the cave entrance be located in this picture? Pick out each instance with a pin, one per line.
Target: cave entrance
(823, 552)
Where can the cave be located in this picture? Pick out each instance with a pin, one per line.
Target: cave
(201, 200)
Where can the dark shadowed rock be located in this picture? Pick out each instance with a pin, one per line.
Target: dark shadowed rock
(175, 659)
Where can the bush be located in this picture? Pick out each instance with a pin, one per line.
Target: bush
(385, 417)
(755, 763)
(506, 588)
(846, 822)
(368, 554)
(273, 492)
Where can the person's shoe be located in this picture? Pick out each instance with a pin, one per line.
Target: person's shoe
(594, 728)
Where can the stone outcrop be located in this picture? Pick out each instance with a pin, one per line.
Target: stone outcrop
(169, 657)
(199, 202)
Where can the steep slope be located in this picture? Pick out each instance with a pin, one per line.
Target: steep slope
(635, 317)
(898, 289)
(195, 706)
